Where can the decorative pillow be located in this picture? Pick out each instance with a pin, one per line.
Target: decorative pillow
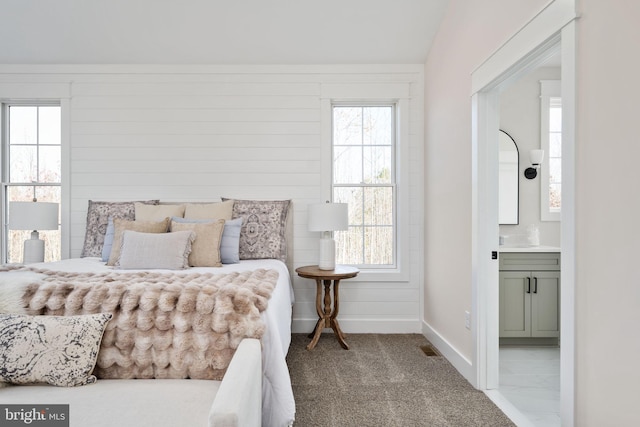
(230, 242)
(157, 212)
(59, 350)
(206, 247)
(120, 225)
(98, 214)
(220, 210)
(108, 240)
(230, 245)
(263, 229)
(155, 250)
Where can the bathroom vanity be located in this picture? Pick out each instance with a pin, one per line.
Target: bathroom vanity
(529, 295)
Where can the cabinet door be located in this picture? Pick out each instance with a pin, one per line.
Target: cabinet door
(515, 304)
(545, 308)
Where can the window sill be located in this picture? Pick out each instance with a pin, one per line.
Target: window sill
(381, 275)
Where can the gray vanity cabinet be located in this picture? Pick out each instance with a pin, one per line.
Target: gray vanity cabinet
(529, 295)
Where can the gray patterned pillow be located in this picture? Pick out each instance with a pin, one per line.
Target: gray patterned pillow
(59, 350)
(263, 228)
(98, 215)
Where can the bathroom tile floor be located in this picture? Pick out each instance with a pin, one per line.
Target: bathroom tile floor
(530, 381)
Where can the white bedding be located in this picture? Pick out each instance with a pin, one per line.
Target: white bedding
(278, 406)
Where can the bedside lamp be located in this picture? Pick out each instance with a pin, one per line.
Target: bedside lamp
(33, 216)
(328, 217)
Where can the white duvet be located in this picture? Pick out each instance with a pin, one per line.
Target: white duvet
(278, 406)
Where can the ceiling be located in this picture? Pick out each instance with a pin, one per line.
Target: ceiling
(218, 32)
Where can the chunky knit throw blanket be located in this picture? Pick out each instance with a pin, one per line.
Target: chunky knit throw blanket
(164, 325)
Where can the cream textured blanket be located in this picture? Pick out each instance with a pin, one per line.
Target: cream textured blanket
(165, 325)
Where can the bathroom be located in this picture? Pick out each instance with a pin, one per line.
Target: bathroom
(530, 229)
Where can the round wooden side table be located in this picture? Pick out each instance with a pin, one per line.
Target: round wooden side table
(328, 318)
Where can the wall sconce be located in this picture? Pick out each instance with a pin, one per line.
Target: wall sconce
(328, 217)
(536, 157)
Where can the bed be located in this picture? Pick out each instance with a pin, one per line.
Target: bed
(278, 406)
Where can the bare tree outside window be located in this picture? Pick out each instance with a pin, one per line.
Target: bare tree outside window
(555, 153)
(33, 169)
(364, 177)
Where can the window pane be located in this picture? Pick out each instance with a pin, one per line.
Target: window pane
(347, 126)
(23, 163)
(49, 164)
(555, 196)
(379, 244)
(377, 165)
(555, 171)
(555, 119)
(378, 206)
(353, 196)
(377, 126)
(349, 249)
(347, 165)
(363, 177)
(49, 125)
(555, 145)
(23, 125)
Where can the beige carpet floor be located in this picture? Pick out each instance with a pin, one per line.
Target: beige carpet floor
(382, 380)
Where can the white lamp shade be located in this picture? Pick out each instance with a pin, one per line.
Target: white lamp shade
(33, 216)
(328, 217)
(536, 156)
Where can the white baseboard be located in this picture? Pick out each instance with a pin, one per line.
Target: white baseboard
(362, 326)
(459, 361)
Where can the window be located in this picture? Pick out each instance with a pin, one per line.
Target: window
(31, 153)
(364, 176)
(551, 143)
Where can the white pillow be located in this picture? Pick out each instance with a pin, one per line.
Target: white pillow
(155, 250)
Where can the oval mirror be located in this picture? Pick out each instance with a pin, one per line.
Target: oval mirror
(508, 179)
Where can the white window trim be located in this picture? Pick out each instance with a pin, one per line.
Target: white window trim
(548, 89)
(11, 92)
(397, 93)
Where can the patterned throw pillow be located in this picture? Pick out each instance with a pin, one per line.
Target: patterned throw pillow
(263, 229)
(59, 350)
(98, 214)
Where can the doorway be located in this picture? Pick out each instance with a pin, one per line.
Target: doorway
(532, 45)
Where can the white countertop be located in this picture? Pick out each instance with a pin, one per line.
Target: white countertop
(507, 248)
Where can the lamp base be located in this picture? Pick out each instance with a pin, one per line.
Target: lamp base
(33, 249)
(327, 259)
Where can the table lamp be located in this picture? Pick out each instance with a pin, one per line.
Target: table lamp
(33, 216)
(328, 217)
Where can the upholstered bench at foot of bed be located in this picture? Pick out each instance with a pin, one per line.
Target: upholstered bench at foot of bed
(233, 402)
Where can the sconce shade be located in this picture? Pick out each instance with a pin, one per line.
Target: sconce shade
(33, 216)
(536, 157)
(328, 217)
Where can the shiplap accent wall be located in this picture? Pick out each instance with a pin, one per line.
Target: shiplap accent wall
(196, 133)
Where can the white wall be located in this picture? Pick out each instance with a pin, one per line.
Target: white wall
(607, 206)
(470, 32)
(196, 133)
(520, 118)
(607, 199)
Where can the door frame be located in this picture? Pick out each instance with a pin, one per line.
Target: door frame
(552, 29)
